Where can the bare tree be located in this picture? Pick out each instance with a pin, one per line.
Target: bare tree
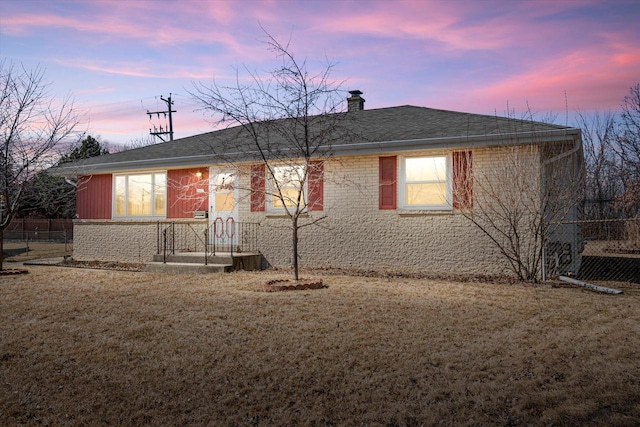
(628, 148)
(599, 134)
(612, 160)
(136, 143)
(32, 127)
(290, 118)
(520, 201)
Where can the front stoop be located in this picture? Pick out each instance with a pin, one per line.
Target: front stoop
(193, 263)
(186, 268)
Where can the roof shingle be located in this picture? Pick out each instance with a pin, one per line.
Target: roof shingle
(390, 127)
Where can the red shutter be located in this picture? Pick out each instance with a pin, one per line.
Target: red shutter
(462, 180)
(387, 183)
(315, 178)
(257, 187)
(93, 197)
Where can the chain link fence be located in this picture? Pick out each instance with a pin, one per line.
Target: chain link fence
(595, 250)
(42, 230)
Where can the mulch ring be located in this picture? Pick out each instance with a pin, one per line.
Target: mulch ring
(12, 271)
(103, 265)
(281, 285)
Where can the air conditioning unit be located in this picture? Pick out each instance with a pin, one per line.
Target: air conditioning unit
(560, 257)
(200, 214)
(563, 255)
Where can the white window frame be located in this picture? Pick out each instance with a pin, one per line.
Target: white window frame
(126, 195)
(272, 191)
(446, 206)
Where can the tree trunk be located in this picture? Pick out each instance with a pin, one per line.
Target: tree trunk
(295, 248)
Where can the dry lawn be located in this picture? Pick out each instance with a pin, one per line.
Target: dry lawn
(89, 347)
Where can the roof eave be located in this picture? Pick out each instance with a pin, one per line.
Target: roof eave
(519, 138)
(129, 165)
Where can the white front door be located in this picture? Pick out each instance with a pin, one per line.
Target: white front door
(223, 207)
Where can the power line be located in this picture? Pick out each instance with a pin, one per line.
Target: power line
(168, 130)
(112, 112)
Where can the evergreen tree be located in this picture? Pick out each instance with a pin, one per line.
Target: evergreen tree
(89, 147)
(54, 197)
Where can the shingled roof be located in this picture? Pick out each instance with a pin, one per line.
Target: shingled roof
(370, 131)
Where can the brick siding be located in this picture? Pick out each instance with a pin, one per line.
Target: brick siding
(354, 234)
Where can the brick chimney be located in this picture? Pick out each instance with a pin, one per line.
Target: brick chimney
(355, 102)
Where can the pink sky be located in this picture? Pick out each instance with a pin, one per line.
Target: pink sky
(118, 57)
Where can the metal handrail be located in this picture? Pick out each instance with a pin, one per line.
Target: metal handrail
(220, 233)
(166, 238)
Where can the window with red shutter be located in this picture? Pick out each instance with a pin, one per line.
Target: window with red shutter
(287, 188)
(425, 183)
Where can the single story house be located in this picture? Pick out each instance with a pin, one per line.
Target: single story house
(396, 194)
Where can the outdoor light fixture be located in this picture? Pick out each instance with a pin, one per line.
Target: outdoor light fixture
(199, 175)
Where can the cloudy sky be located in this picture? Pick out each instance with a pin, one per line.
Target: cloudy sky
(118, 57)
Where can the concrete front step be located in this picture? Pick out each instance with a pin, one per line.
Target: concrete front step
(186, 268)
(244, 261)
(195, 258)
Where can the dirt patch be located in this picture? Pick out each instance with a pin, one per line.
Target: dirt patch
(282, 285)
(390, 274)
(12, 271)
(103, 265)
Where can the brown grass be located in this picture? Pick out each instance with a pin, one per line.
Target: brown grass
(88, 347)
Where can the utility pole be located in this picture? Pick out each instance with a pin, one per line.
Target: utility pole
(167, 129)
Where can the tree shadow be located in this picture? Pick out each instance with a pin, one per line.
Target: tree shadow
(7, 253)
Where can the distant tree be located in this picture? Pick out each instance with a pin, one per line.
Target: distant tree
(628, 148)
(138, 143)
(288, 115)
(612, 160)
(48, 196)
(32, 126)
(89, 147)
(599, 136)
(52, 196)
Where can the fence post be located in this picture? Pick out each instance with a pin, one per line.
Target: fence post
(164, 246)
(206, 236)
(173, 238)
(230, 234)
(206, 241)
